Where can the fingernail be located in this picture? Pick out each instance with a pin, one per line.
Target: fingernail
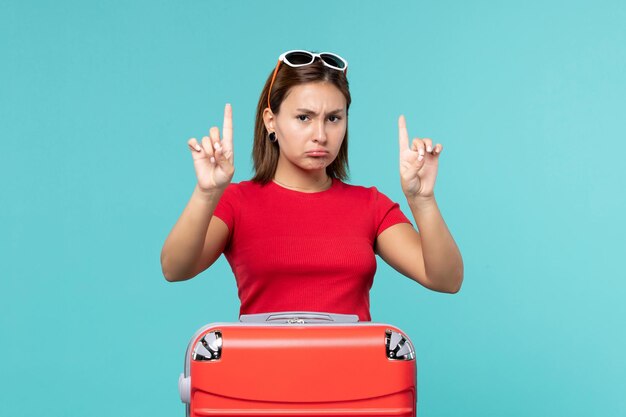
(212, 160)
(198, 148)
(216, 145)
(420, 157)
(429, 148)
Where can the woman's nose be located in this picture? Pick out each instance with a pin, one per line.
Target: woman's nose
(320, 132)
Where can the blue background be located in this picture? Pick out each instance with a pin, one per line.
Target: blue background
(98, 99)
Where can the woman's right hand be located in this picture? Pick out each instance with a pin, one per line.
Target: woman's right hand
(213, 158)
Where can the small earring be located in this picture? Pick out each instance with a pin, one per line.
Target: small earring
(273, 137)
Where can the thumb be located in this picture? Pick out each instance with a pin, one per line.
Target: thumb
(418, 146)
(221, 160)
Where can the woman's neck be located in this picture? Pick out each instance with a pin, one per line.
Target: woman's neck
(304, 181)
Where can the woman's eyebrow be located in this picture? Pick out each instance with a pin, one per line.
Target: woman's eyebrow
(308, 111)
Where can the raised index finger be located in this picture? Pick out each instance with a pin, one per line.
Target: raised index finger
(227, 128)
(403, 134)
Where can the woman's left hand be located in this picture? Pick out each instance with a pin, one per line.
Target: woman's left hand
(419, 161)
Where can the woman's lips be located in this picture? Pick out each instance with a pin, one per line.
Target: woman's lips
(317, 152)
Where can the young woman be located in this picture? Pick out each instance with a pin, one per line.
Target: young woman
(297, 237)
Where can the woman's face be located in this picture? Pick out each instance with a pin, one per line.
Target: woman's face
(311, 125)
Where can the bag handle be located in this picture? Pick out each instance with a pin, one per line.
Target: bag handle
(298, 317)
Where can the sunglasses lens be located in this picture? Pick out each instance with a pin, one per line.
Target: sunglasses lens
(299, 58)
(333, 60)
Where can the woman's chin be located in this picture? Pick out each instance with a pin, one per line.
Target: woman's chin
(316, 167)
(317, 163)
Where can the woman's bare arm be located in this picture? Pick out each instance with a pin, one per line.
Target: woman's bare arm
(430, 256)
(198, 238)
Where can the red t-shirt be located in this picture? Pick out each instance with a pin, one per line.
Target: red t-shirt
(294, 251)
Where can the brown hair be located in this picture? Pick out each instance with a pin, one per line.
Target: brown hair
(265, 153)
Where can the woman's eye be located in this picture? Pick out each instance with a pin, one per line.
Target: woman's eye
(334, 118)
(303, 117)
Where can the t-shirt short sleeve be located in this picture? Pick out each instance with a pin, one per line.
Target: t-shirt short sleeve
(226, 207)
(388, 213)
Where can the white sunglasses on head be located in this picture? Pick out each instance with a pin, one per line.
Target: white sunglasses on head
(300, 58)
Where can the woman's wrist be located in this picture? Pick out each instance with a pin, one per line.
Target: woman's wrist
(208, 195)
(422, 203)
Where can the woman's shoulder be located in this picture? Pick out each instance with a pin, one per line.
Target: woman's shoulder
(358, 189)
(246, 187)
(362, 193)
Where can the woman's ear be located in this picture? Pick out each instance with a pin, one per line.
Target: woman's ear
(268, 119)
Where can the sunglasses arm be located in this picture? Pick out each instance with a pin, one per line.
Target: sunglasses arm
(269, 92)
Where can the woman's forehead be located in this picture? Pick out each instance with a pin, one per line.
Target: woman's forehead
(312, 95)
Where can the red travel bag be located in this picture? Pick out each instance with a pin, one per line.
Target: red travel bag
(299, 364)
